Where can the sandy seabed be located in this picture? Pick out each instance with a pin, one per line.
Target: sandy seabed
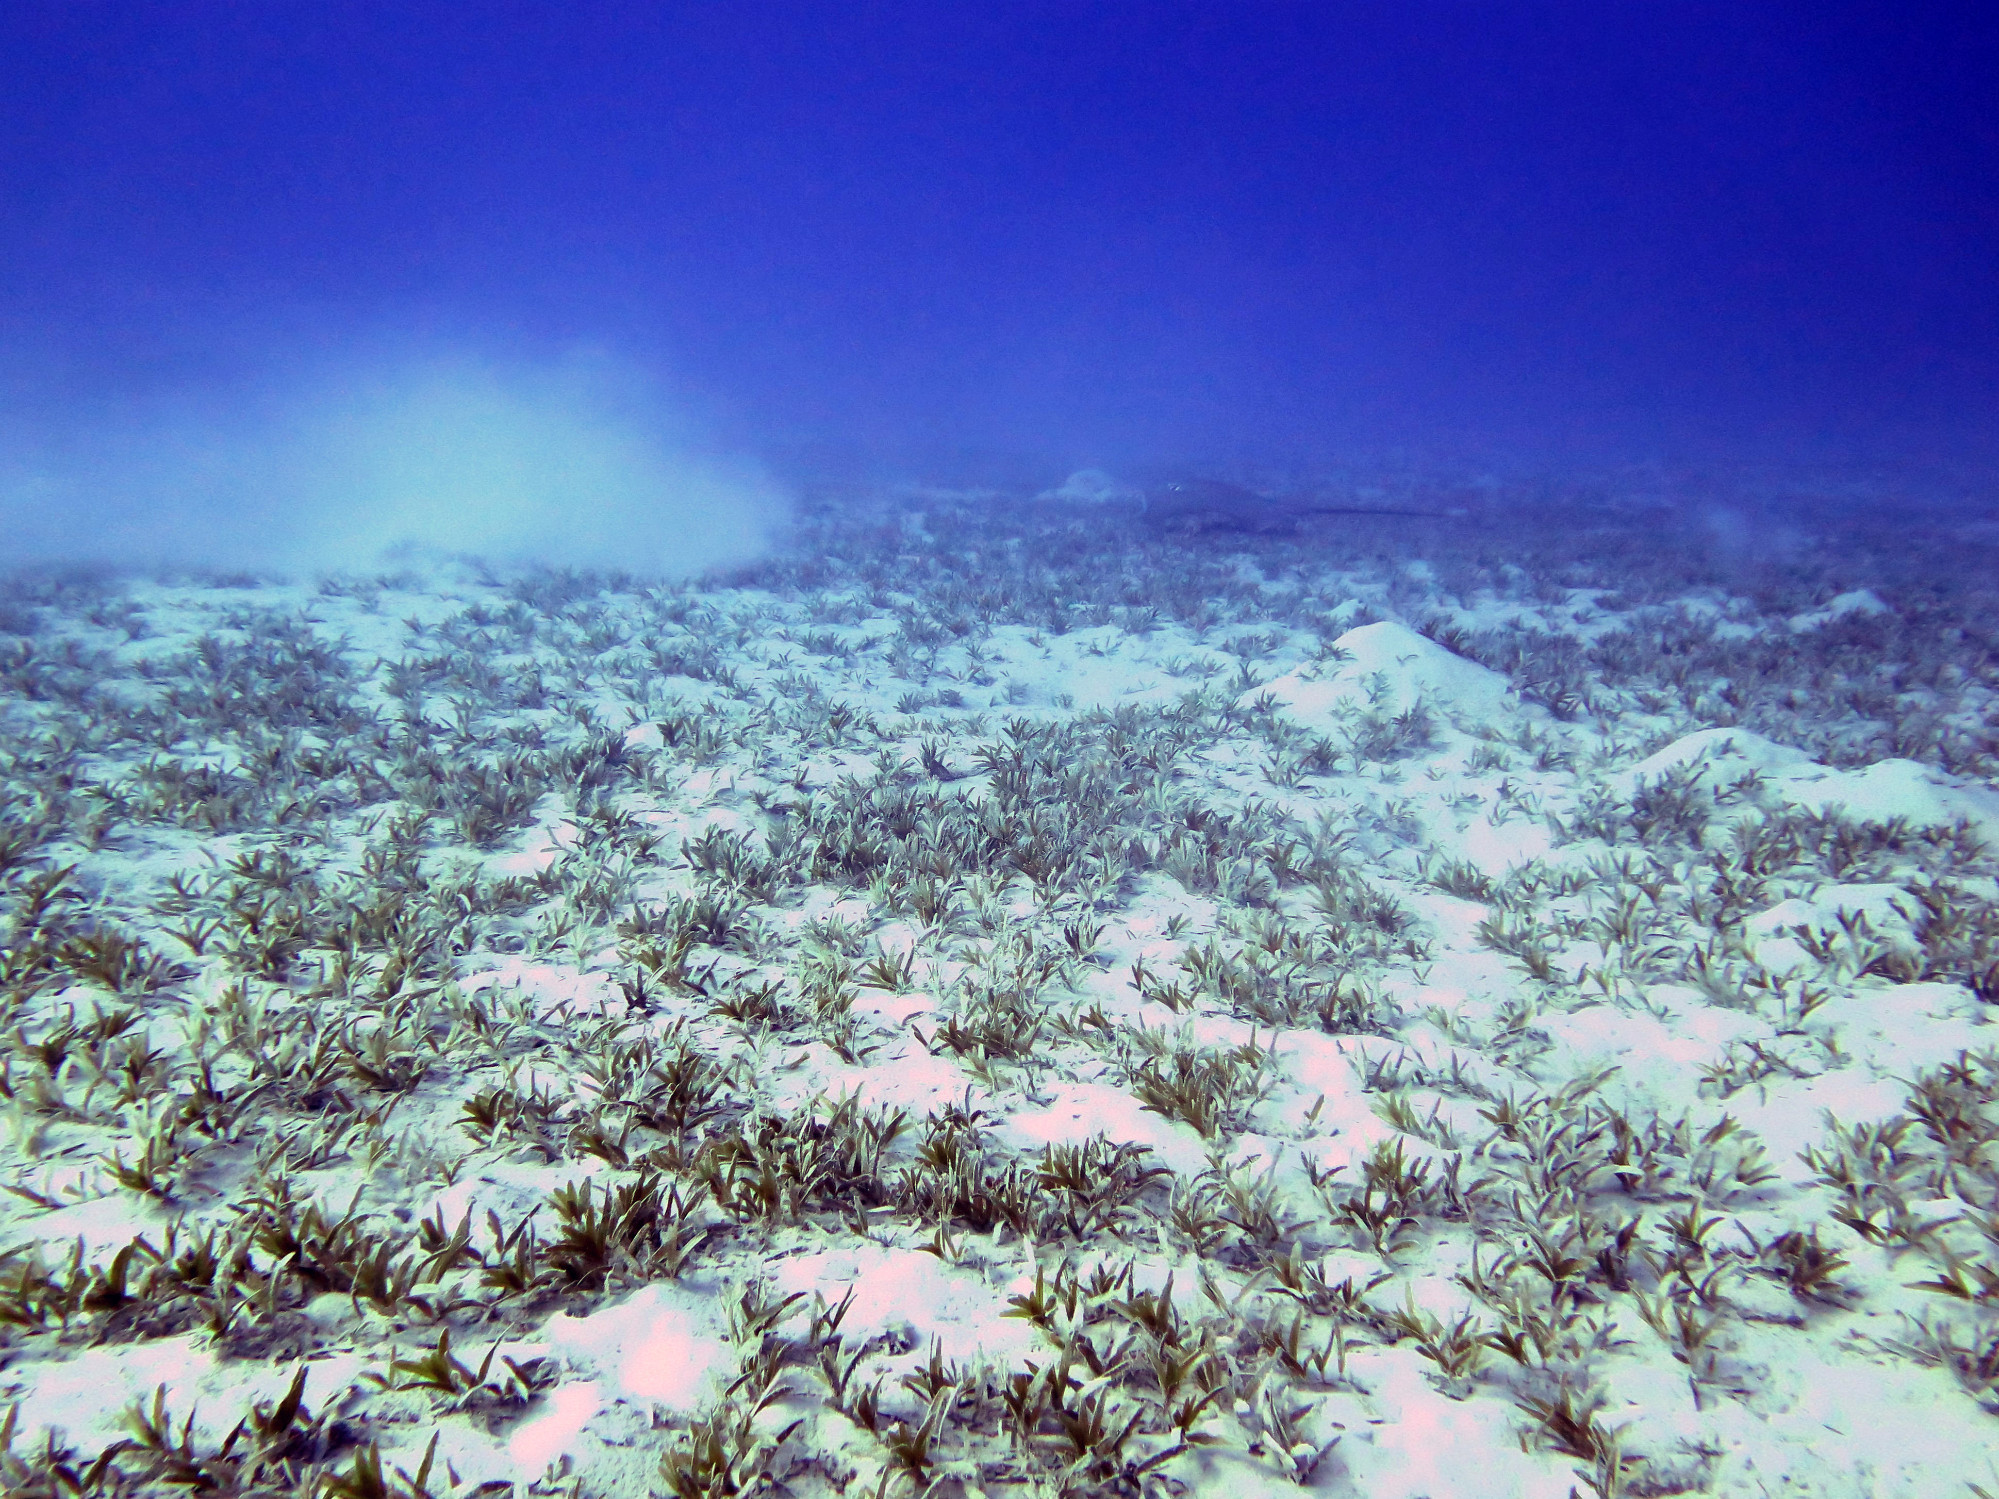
(996, 1001)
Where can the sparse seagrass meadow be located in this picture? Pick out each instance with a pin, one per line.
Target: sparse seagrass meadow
(1162, 749)
(993, 999)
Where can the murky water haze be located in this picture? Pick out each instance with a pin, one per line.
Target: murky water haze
(623, 287)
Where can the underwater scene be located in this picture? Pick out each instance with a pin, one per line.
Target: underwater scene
(1012, 994)
(1132, 750)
